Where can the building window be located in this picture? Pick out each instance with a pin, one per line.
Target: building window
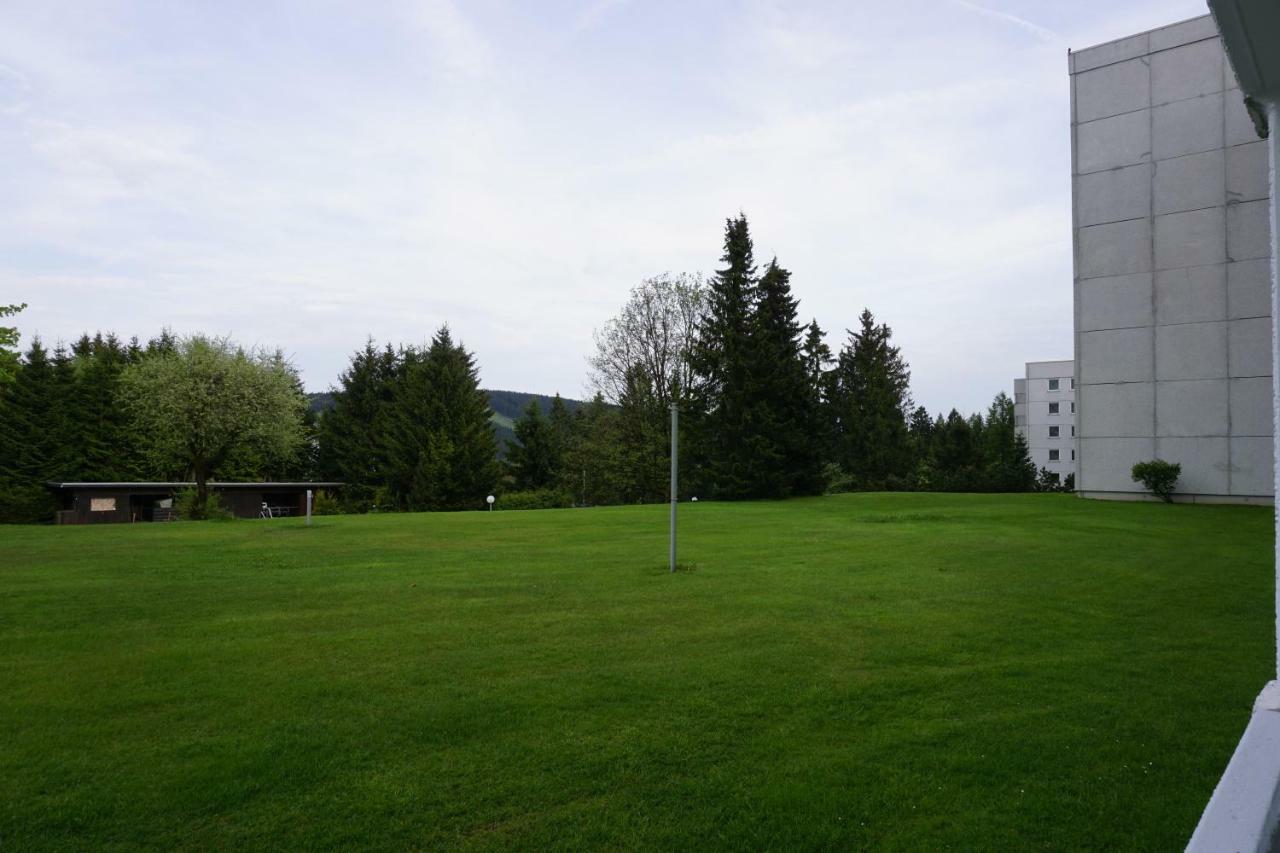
(1053, 408)
(1053, 385)
(1053, 432)
(1073, 408)
(1053, 456)
(1073, 456)
(102, 505)
(1073, 432)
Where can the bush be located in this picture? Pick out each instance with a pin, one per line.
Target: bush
(1159, 477)
(325, 504)
(187, 504)
(837, 480)
(534, 499)
(1069, 484)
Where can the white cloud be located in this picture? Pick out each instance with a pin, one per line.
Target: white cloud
(326, 178)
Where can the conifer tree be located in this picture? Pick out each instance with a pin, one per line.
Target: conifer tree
(872, 381)
(643, 442)
(534, 456)
(722, 363)
(351, 434)
(783, 407)
(442, 453)
(592, 464)
(28, 440)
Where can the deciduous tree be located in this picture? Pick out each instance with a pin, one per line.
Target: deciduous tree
(209, 399)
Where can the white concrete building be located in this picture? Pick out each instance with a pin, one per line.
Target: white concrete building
(1172, 268)
(1244, 812)
(1044, 411)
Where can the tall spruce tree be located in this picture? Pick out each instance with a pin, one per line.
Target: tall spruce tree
(442, 452)
(534, 457)
(28, 439)
(872, 384)
(351, 434)
(1009, 465)
(722, 362)
(783, 408)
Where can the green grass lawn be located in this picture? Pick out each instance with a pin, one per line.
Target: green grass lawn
(902, 672)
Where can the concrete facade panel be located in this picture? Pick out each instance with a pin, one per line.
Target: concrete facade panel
(1251, 347)
(1188, 376)
(1249, 289)
(1189, 183)
(1182, 32)
(1116, 411)
(1191, 351)
(1186, 71)
(1108, 143)
(1105, 54)
(1205, 463)
(1247, 174)
(1115, 302)
(1113, 89)
(1251, 466)
(1251, 406)
(1116, 355)
(1105, 463)
(1193, 238)
(1192, 408)
(1191, 295)
(1249, 231)
(1186, 127)
(1114, 195)
(1118, 248)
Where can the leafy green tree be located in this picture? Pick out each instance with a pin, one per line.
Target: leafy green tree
(8, 343)
(871, 398)
(208, 399)
(654, 335)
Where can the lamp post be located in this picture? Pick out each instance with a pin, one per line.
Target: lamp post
(675, 468)
(489, 500)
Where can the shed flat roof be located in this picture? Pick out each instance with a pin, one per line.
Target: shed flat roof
(191, 485)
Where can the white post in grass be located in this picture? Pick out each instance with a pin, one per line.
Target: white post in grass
(675, 467)
(308, 507)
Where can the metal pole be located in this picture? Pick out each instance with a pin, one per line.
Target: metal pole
(308, 507)
(675, 467)
(1273, 146)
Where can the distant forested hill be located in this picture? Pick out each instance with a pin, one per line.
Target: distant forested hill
(506, 405)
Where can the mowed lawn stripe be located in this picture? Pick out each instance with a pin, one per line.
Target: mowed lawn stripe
(899, 671)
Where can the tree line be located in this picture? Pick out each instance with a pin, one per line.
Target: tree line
(767, 409)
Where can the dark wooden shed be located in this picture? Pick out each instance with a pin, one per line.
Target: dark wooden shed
(107, 503)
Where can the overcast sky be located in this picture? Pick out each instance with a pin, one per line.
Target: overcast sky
(308, 174)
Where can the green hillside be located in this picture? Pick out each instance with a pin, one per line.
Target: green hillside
(506, 405)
